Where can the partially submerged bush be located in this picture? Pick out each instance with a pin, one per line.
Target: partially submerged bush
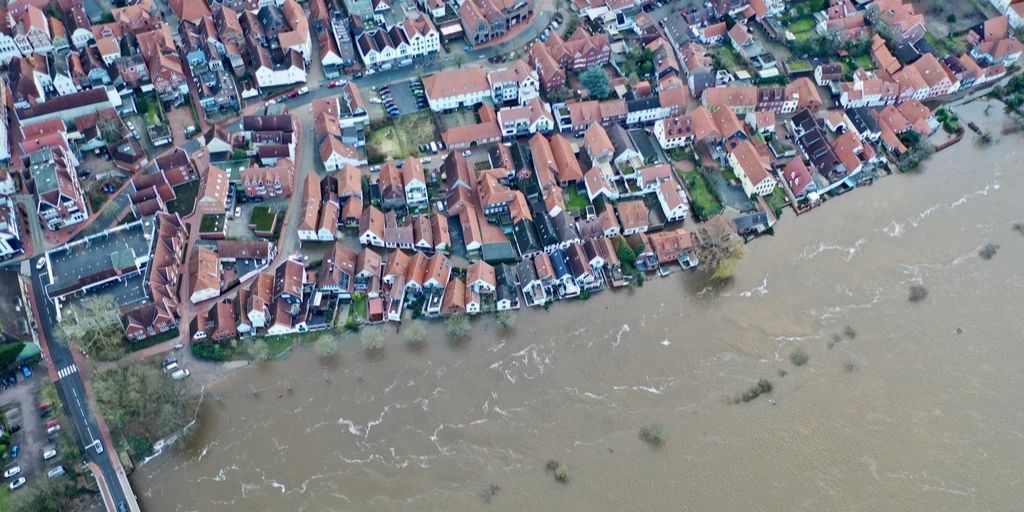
(653, 434)
(762, 387)
(799, 357)
(917, 293)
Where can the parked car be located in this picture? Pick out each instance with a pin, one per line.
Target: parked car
(49, 454)
(173, 367)
(12, 471)
(302, 90)
(238, 211)
(53, 430)
(180, 374)
(55, 472)
(467, 153)
(376, 101)
(26, 371)
(168, 361)
(41, 264)
(15, 451)
(17, 483)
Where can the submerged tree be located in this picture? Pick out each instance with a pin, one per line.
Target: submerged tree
(507, 319)
(259, 351)
(373, 339)
(416, 334)
(718, 248)
(458, 327)
(326, 345)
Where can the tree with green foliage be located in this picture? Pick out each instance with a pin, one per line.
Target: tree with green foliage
(458, 327)
(9, 353)
(595, 80)
(627, 256)
(94, 324)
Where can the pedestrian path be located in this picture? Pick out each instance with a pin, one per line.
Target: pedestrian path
(67, 371)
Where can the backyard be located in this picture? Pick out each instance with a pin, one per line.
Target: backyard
(262, 218)
(185, 198)
(705, 204)
(802, 28)
(574, 200)
(212, 223)
(400, 137)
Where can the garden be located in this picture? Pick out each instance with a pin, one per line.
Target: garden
(705, 203)
(400, 137)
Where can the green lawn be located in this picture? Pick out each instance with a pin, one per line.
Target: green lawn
(262, 218)
(704, 202)
(185, 198)
(574, 200)
(802, 28)
(729, 174)
(149, 107)
(728, 58)
(357, 310)
(211, 223)
(777, 200)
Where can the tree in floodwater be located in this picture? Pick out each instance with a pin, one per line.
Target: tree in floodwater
(507, 319)
(718, 248)
(326, 345)
(416, 334)
(259, 351)
(458, 327)
(373, 339)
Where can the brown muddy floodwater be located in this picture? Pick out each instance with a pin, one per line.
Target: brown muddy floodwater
(901, 406)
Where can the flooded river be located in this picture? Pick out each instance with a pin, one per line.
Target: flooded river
(901, 406)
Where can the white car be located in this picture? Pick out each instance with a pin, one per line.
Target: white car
(49, 454)
(180, 374)
(12, 471)
(173, 367)
(41, 264)
(238, 211)
(467, 153)
(55, 472)
(18, 483)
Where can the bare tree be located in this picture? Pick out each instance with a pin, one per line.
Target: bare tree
(718, 248)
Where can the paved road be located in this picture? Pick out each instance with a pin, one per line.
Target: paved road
(72, 391)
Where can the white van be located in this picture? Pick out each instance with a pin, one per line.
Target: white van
(180, 374)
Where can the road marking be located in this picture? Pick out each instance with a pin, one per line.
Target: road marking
(67, 371)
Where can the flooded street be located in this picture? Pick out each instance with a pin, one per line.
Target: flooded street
(901, 405)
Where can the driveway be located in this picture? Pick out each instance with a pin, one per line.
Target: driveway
(732, 195)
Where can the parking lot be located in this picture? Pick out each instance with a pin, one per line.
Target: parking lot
(19, 405)
(403, 97)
